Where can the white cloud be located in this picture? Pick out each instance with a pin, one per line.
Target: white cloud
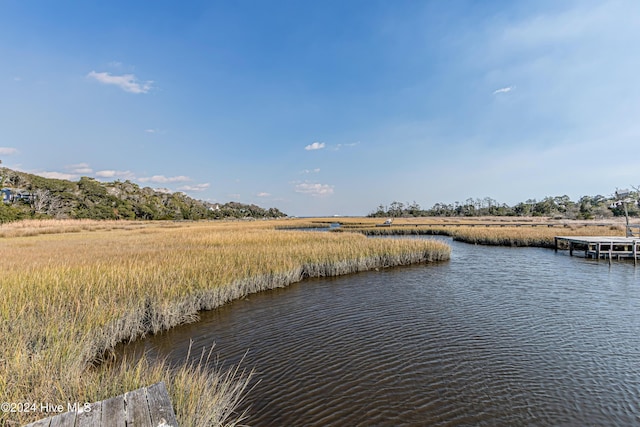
(115, 174)
(315, 146)
(263, 194)
(7, 151)
(197, 187)
(126, 82)
(150, 130)
(316, 170)
(58, 175)
(504, 90)
(165, 179)
(79, 168)
(339, 146)
(314, 189)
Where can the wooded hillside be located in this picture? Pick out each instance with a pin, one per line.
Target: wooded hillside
(88, 198)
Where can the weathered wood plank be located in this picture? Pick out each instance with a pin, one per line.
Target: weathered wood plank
(137, 408)
(160, 406)
(113, 412)
(68, 419)
(90, 418)
(45, 422)
(145, 407)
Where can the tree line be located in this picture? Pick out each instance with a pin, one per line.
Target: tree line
(91, 199)
(561, 207)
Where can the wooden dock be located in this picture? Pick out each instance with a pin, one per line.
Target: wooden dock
(602, 247)
(145, 407)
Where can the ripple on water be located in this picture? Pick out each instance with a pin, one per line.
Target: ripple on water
(496, 336)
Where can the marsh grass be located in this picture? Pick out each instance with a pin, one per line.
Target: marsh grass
(70, 297)
(523, 236)
(498, 234)
(203, 394)
(36, 227)
(395, 230)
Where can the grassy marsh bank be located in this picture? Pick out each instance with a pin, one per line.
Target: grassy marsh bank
(70, 296)
(519, 236)
(538, 232)
(36, 227)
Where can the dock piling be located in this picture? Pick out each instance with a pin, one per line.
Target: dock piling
(600, 247)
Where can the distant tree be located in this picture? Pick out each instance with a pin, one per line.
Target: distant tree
(414, 210)
(10, 213)
(380, 212)
(47, 203)
(396, 209)
(585, 208)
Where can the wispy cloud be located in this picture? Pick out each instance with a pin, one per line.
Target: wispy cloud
(126, 82)
(164, 179)
(314, 189)
(339, 146)
(315, 146)
(109, 173)
(79, 168)
(8, 151)
(316, 170)
(504, 90)
(58, 175)
(263, 194)
(197, 187)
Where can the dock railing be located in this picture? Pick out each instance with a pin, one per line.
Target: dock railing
(601, 247)
(633, 230)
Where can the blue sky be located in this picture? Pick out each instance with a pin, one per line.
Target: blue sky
(326, 107)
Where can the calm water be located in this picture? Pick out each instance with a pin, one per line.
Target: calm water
(494, 337)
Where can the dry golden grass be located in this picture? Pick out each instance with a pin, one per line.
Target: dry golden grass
(202, 393)
(528, 236)
(488, 231)
(69, 297)
(35, 227)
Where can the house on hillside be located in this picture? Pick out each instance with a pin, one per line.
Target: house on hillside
(12, 195)
(7, 197)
